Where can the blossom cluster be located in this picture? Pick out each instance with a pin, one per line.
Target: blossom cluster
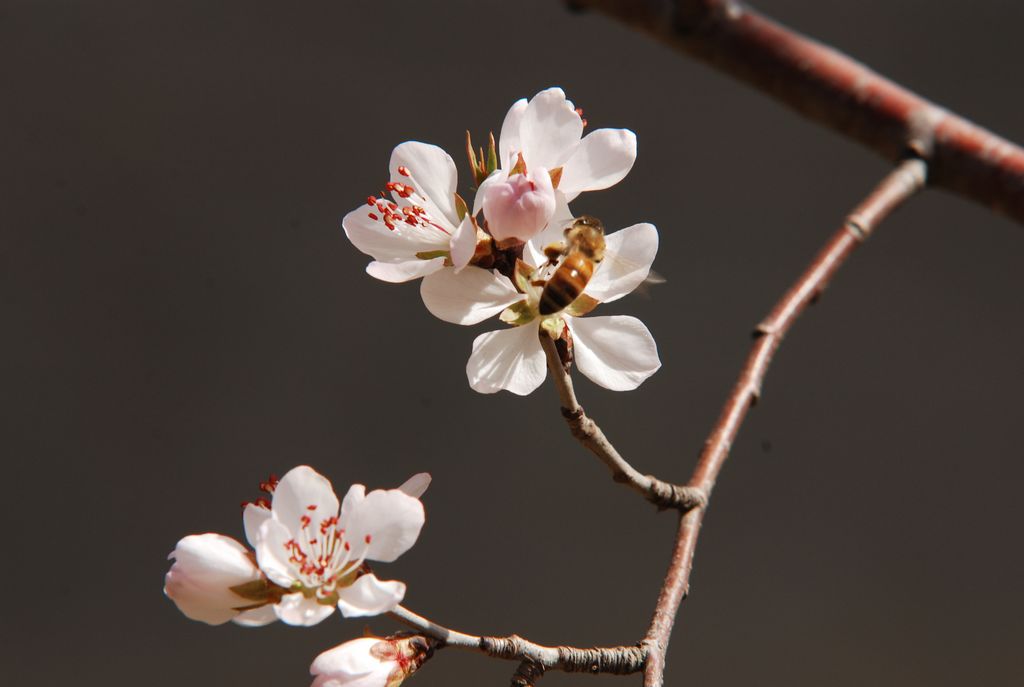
(309, 554)
(518, 253)
(514, 248)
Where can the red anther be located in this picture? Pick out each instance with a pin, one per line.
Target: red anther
(367, 539)
(411, 221)
(403, 170)
(372, 216)
(371, 201)
(392, 185)
(347, 547)
(311, 506)
(579, 111)
(270, 484)
(304, 521)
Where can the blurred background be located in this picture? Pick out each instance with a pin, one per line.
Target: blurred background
(183, 315)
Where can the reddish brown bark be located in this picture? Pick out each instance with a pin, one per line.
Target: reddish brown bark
(835, 90)
(900, 185)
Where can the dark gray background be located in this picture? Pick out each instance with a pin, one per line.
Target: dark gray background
(182, 315)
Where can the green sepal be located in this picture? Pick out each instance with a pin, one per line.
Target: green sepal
(523, 273)
(553, 326)
(460, 207)
(518, 314)
(262, 591)
(581, 306)
(431, 254)
(556, 176)
(492, 156)
(519, 168)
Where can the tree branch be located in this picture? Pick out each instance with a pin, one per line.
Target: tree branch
(587, 432)
(895, 189)
(619, 660)
(829, 87)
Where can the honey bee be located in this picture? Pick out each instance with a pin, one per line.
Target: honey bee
(581, 251)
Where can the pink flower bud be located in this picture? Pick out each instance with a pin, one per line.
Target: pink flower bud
(518, 206)
(370, 662)
(206, 567)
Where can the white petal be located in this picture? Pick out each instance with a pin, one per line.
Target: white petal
(602, 159)
(272, 553)
(509, 359)
(469, 296)
(303, 493)
(550, 130)
(509, 142)
(628, 256)
(350, 659)
(533, 251)
(370, 596)
(355, 495)
(463, 243)
(386, 521)
(416, 485)
(615, 352)
(397, 272)
(257, 617)
(372, 237)
(295, 609)
(252, 518)
(432, 173)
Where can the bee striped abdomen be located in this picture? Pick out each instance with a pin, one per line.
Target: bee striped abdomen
(566, 284)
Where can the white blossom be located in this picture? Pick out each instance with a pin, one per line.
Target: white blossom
(417, 231)
(616, 352)
(305, 544)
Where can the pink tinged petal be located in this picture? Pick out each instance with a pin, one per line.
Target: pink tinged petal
(272, 553)
(432, 173)
(550, 130)
(628, 256)
(463, 243)
(296, 609)
(520, 206)
(509, 359)
(372, 236)
(370, 596)
(497, 177)
(386, 522)
(351, 659)
(205, 568)
(509, 143)
(602, 159)
(398, 272)
(257, 617)
(469, 296)
(303, 496)
(616, 352)
(416, 485)
(252, 518)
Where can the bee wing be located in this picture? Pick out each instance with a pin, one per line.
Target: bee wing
(629, 254)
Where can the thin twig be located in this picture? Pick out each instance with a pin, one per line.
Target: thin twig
(588, 433)
(619, 660)
(829, 87)
(895, 189)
